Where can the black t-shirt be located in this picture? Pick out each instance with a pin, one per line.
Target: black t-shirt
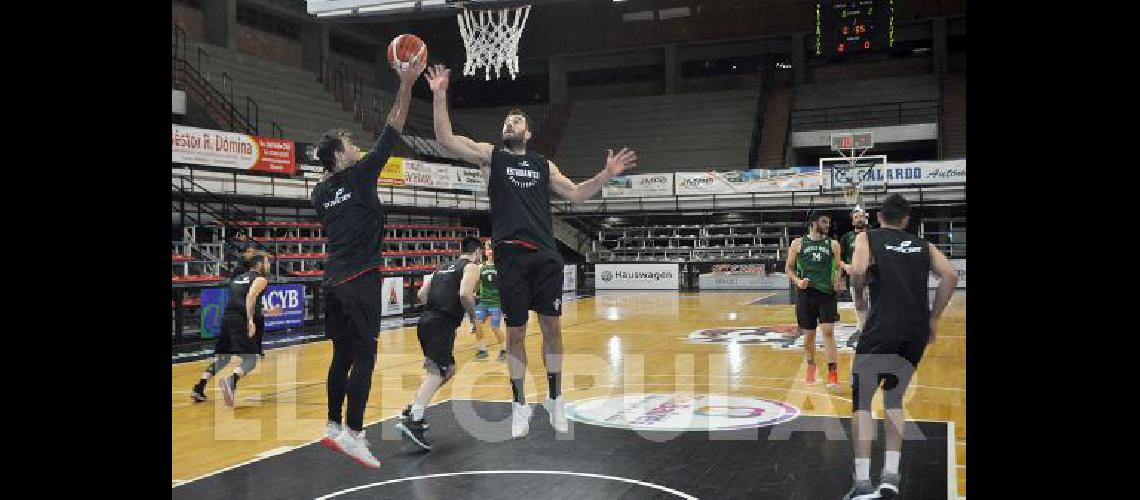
(239, 289)
(897, 278)
(519, 189)
(443, 295)
(350, 213)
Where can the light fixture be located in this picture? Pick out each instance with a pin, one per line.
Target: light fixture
(334, 13)
(388, 6)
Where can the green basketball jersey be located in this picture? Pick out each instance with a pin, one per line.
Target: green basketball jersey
(489, 285)
(816, 262)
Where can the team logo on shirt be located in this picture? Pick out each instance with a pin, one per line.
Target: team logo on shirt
(523, 177)
(904, 247)
(557, 304)
(338, 198)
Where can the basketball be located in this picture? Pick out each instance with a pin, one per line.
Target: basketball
(405, 50)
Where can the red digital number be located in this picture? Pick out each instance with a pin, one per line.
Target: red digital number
(846, 142)
(841, 47)
(844, 30)
(867, 44)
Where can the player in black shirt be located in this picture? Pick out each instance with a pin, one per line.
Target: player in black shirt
(353, 221)
(847, 243)
(243, 324)
(519, 182)
(448, 294)
(894, 265)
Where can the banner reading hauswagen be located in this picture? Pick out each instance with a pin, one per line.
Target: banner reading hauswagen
(919, 172)
(637, 276)
(289, 298)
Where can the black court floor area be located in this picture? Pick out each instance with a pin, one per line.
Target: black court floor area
(808, 458)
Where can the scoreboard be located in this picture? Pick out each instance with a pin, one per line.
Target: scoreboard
(846, 27)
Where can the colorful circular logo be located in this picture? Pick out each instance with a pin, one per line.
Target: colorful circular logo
(674, 412)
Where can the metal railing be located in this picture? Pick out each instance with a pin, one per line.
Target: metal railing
(219, 104)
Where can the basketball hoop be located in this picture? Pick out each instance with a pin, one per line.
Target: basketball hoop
(850, 171)
(491, 39)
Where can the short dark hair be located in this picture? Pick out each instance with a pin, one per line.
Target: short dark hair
(895, 207)
(517, 111)
(471, 244)
(817, 215)
(331, 142)
(249, 258)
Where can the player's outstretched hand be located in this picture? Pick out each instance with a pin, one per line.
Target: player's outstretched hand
(437, 77)
(622, 161)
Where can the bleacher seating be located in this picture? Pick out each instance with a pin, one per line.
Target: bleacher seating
(671, 132)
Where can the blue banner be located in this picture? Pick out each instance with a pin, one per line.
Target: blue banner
(213, 306)
(289, 298)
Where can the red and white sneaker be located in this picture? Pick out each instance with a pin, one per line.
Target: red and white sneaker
(227, 388)
(356, 447)
(332, 431)
(832, 379)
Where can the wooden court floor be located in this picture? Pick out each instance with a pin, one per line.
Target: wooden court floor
(615, 343)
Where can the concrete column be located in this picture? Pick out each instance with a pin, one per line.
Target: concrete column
(557, 72)
(220, 18)
(799, 62)
(941, 48)
(314, 45)
(671, 71)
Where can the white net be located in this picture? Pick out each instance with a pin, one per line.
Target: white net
(492, 39)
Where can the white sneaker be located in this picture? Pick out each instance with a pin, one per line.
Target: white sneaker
(557, 410)
(520, 420)
(356, 447)
(333, 430)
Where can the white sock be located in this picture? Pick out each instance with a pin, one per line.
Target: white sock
(482, 345)
(862, 469)
(417, 412)
(891, 464)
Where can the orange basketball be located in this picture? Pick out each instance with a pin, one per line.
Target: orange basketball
(405, 50)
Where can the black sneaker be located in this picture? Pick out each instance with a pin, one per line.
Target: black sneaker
(406, 416)
(480, 355)
(198, 394)
(502, 356)
(889, 485)
(862, 490)
(415, 431)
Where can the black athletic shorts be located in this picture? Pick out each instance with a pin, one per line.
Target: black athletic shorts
(885, 364)
(529, 280)
(910, 350)
(814, 307)
(436, 332)
(353, 309)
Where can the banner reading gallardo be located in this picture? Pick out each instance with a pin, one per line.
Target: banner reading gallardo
(215, 148)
